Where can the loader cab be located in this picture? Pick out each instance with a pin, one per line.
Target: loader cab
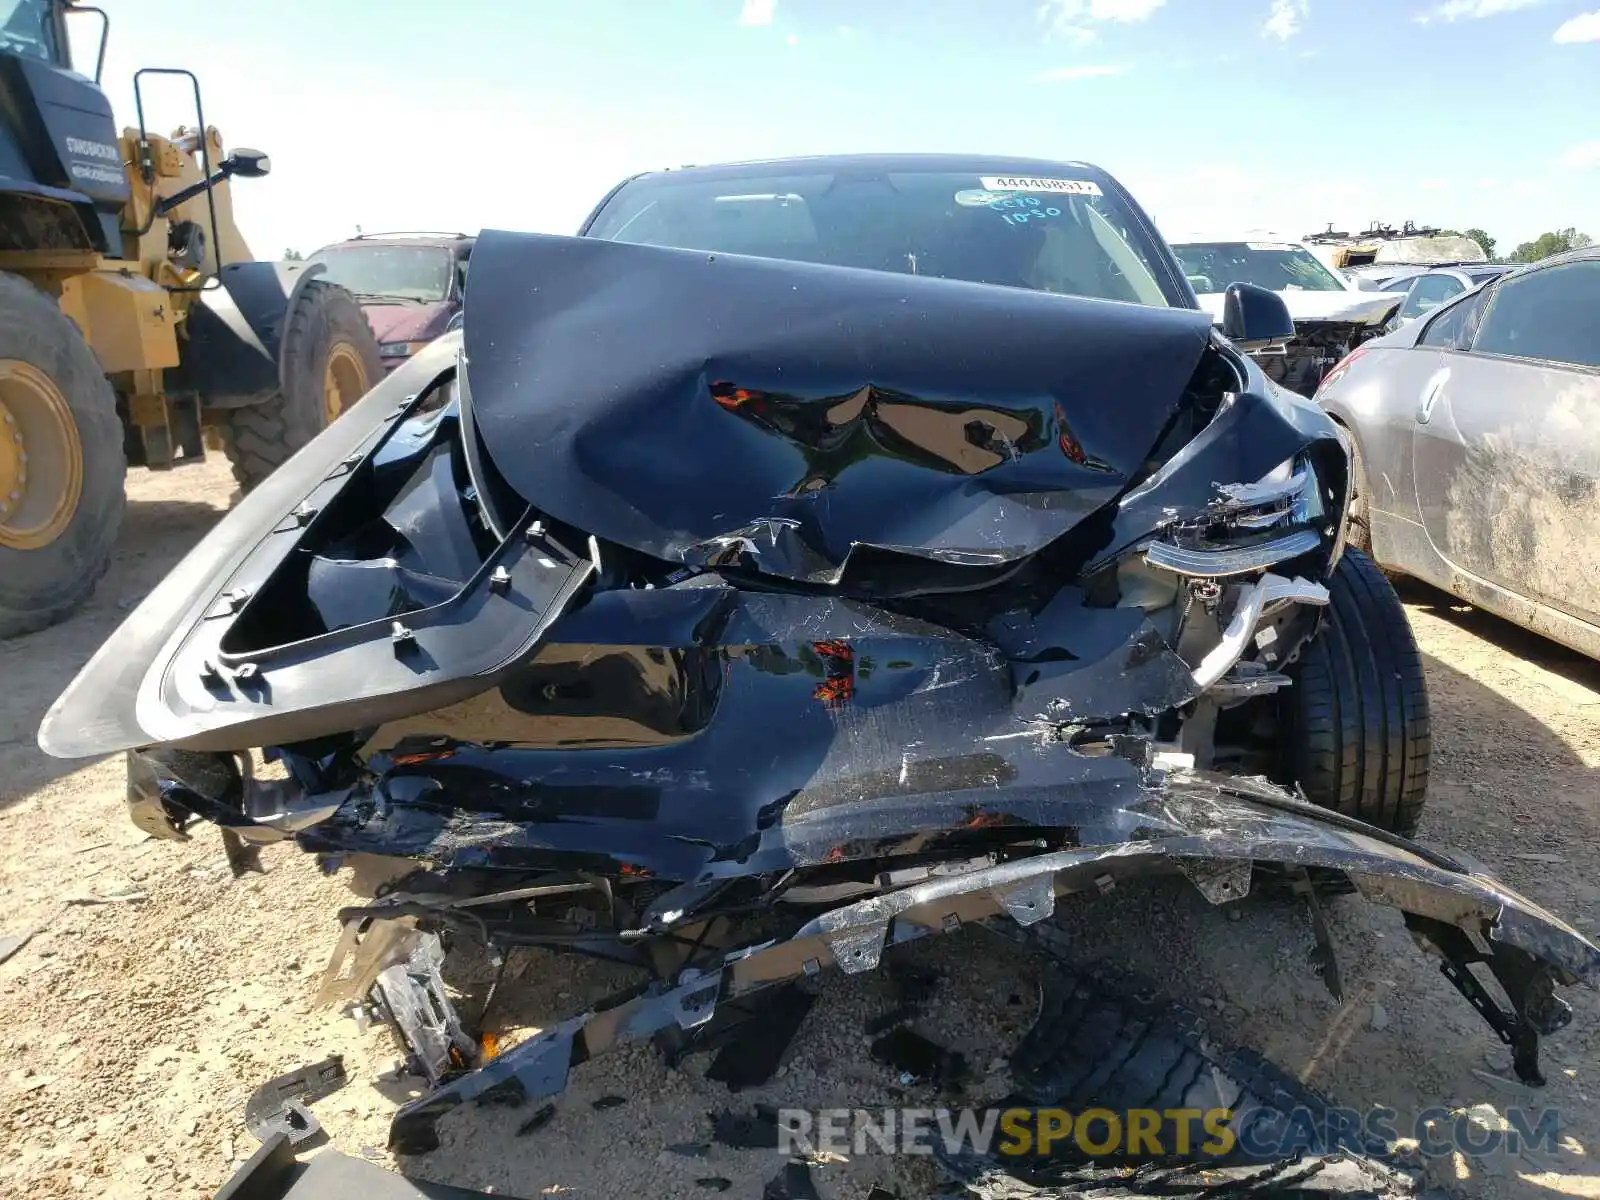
(62, 182)
(35, 29)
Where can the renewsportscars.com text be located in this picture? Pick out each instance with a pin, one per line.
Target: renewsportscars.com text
(1155, 1133)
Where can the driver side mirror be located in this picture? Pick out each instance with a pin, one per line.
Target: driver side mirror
(1254, 318)
(247, 164)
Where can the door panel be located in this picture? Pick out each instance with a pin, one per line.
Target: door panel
(1507, 466)
(1383, 414)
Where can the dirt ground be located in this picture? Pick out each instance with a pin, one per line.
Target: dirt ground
(157, 992)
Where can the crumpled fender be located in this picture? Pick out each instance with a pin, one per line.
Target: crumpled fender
(109, 707)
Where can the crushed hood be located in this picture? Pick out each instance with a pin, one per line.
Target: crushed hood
(706, 408)
(1355, 307)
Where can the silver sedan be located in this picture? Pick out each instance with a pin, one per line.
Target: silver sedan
(1476, 447)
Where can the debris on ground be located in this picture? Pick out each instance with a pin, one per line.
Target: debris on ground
(794, 1182)
(756, 1047)
(281, 1105)
(539, 1120)
(11, 943)
(116, 898)
(920, 1059)
(754, 1130)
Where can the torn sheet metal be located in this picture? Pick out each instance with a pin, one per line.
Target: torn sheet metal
(1212, 826)
(941, 739)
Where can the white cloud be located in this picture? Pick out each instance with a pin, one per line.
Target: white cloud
(1286, 18)
(1123, 10)
(757, 12)
(1583, 28)
(1471, 10)
(1068, 74)
(1074, 20)
(1582, 156)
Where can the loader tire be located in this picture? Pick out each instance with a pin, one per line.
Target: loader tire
(1356, 723)
(62, 463)
(329, 360)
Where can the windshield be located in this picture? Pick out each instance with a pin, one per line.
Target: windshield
(389, 272)
(1058, 235)
(28, 27)
(1278, 267)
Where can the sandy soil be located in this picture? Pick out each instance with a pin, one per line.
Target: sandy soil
(157, 992)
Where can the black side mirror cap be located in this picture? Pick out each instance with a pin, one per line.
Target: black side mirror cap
(247, 164)
(1254, 318)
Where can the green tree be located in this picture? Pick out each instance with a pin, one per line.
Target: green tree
(293, 256)
(1547, 244)
(1483, 239)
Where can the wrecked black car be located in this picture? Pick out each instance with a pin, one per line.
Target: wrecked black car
(808, 557)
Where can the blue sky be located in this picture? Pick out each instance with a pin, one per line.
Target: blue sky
(1285, 114)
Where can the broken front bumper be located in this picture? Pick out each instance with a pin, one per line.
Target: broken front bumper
(1212, 830)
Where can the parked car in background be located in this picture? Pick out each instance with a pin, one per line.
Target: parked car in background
(1382, 252)
(408, 284)
(1427, 290)
(1476, 435)
(1383, 279)
(1331, 316)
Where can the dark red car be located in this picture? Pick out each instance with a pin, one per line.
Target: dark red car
(408, 284)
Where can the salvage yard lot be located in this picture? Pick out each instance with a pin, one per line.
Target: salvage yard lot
(157, 992)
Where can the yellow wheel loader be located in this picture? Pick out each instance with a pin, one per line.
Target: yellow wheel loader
(135, 325)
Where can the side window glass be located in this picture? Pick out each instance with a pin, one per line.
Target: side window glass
(1429, 292)
(1410, 308)
(1551, 314)
(1453, 328)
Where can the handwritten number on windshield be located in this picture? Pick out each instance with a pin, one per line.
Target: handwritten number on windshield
(1024, 209)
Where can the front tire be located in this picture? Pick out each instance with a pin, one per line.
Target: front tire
(329, 361)
(1358, 732)
(62, 465)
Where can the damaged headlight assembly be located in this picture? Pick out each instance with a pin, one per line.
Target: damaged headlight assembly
(491, 651)
(1249, 527)
(1224, 560)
